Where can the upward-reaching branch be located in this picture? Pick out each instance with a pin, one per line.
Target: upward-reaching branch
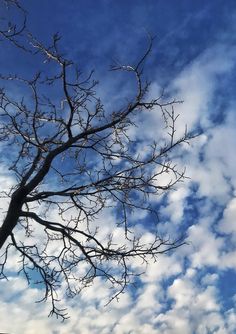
(72, 159)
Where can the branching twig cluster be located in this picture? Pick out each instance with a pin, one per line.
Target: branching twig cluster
(74, 158)
(9, 30)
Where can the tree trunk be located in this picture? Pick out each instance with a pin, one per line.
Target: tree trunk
(11, 219)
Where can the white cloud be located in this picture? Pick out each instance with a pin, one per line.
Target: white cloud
(176, 294)
(166, 266)
(209, 279)
(177, 202)
(197, 83)
(206, 246)
(228, 223)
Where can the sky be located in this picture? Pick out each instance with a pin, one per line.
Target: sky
(191, 290)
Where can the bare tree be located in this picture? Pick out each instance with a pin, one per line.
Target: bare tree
(72, 158)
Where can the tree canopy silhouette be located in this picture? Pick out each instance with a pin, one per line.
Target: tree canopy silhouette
(72, 158)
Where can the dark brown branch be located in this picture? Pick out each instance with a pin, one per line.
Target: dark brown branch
(74, 157)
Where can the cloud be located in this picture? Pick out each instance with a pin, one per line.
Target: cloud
(180, 292)
(206, 246)
(228, 223)
(201, 74)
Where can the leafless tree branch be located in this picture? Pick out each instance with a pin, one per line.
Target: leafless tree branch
(73, 158)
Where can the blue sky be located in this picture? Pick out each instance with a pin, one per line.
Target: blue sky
(191, 290)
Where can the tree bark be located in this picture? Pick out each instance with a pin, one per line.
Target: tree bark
(13, 214)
